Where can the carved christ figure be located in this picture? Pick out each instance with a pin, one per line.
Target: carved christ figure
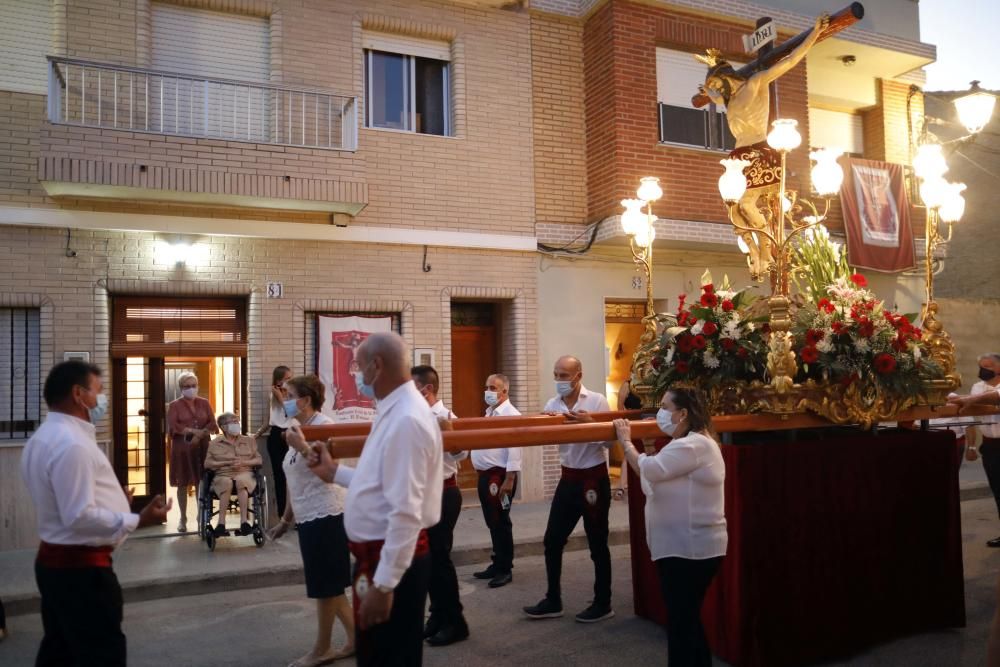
(747, 104)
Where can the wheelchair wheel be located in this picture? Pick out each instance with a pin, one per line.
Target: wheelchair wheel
(260, 505)
(258, 535)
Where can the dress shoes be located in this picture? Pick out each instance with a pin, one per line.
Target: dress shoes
(450, 634)
(502, 579)
(488, 573)
(995, 542)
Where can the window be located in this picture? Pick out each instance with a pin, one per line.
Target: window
(407, 84)
(20, 372)
(25, 40)
(678, 76)
(837, 129)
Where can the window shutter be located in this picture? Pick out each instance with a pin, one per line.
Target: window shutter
(406, 45)
(20, 372)
(25, 40)
(178, 327)
(836, 129)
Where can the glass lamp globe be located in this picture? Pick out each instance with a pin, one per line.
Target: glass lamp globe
(633, 219)
(744, 248)
(975, 109)
(827, 175)
(929, 163)
(953, 206)
(732, 183)
(933, 192)
(649, 189)
(645, 236)
(784, 135)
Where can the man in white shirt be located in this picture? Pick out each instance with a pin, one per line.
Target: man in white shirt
(982, 392)
(83, 514)
(446, 624)
(393, 497)
(498, 470)
(584, 489)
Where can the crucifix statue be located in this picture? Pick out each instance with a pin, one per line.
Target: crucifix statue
(746, 94)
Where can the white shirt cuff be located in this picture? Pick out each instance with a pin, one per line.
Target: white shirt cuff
(344, 475)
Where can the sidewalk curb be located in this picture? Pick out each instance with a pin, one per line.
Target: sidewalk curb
(290, 575)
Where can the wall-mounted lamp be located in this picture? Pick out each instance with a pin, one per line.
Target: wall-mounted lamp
(179, 254)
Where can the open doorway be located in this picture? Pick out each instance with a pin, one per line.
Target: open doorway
(622, 330)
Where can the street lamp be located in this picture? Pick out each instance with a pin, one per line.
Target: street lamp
(764, 231)
(975, 109)
(638, 226)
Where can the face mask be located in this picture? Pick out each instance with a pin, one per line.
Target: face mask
(233, 429)
(189, 392)
(98, 411)
(986, 374)
(564, 387)
(365, 389)
(291, 407)
(491, 398)
(664, 420)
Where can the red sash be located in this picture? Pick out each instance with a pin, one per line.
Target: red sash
(65, 556)
(585, 474)
(451, 482)
(594, 502)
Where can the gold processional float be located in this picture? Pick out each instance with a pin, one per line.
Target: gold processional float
(829, 352)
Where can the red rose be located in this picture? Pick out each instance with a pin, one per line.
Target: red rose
(859, 280)
(684, 343)
(825, 305)
(709, 328)
(838, 327)
(709, 300)
(728, 343)
(699, 342)
(813, 336)
(885, 363)
(869, 305)
(809, 355)
(727, 305)
(866, 327)
(708, 289)
(743, 352)
(681, 366)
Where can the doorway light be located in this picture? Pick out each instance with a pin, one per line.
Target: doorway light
(180, 254)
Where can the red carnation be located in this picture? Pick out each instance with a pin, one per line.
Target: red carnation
(866, 327)
(869, 305)
(743, 352)
(727, 305)
(682, 318)
(885, 363)
(709, 328)
(681, 366)
(810, 355)
(680, 301)
(859, 280)
(825, 305)
(838, 327)
(684, 343)
(813, 336)
(728, 343)
(709, 288)
(709, 300)
(699, 342)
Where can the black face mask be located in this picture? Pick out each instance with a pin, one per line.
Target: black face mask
(986, 374)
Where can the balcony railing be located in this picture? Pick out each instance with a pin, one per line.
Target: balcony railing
(92, 94)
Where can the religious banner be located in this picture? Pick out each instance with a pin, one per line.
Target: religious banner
(877, 216)
(337, 341)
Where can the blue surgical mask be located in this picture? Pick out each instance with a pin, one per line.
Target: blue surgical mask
(97, 412)
(490, 397)
(664, 420)
(291, 407)
(365, 389)
(564, 387)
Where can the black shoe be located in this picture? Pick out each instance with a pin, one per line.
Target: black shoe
(545, 609)
(488, 573)
(434, 624)
(995, 542)
(450, 634)
(501, 579)
(220, 531)
(245, 528)
(595, 613)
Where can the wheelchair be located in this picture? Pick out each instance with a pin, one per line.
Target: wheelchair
(256, 510)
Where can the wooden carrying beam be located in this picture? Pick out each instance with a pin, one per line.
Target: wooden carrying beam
(556, 434)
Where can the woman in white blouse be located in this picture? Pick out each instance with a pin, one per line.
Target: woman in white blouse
(685, 517)
(275, 429)
(317, 509)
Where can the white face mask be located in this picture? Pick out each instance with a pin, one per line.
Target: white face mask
(189, 392)
(564, 387)
(233, 428)
(490, 397)
(97, 412)
(664, 420)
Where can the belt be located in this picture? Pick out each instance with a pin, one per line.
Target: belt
(66, 556)
(370, 551)
(451, 481)
(583, 474)
(495, 470)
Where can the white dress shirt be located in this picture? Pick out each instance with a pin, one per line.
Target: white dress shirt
(78, 499)
(991, 426)
(395, 491)
(588, 454)
(685, 499)
(448, 460)
(311, 497)
(508, 458)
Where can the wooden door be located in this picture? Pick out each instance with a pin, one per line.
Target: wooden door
(473, 359)
(138, 418)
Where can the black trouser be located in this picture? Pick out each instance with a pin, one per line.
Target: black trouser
(276, 450)
(683, 583)
(990, 451)
(497, 518)
(3, 617)
(443, 585)
(81, 617)
(574, 498)
(399, 641)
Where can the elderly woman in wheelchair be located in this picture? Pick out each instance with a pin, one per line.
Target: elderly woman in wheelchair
(232, 458)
